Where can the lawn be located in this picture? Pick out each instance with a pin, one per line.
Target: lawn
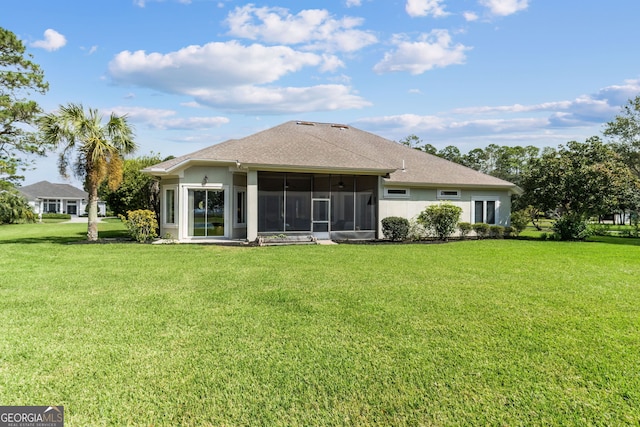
(493, 332)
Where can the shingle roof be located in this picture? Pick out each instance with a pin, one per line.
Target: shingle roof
(47, 190)
(324, 146)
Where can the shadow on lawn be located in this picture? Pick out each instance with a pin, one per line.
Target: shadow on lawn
(115, 236)
(631, 241)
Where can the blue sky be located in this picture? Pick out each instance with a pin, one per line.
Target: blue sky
(192, 73)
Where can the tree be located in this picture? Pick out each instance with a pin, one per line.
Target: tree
(413, 141)
(624, 131)
(136, 190)
(98, 149)
(580, 180)
(19, 76)
(451, 153)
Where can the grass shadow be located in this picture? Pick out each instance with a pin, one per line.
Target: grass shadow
(62, 234)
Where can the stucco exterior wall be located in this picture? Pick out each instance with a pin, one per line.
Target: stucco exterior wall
(419, 198)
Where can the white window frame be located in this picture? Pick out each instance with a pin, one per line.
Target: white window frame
(165, 215)
(442, 196)
(393, 195)
(184, 209)
(485, 199)
(236, 191)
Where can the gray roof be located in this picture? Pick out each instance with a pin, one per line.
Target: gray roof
(314, 146)
(47, 190)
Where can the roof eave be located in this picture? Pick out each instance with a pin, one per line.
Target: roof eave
(507, 186)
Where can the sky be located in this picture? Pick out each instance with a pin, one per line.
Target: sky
(192, 73)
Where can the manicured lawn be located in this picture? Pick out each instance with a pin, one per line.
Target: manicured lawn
(494, 332)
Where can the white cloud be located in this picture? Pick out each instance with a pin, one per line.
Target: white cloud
(353, 3)
(431, 50)
(281, 100)
(313, 28)
(433, 8)
(212, 65)
(53, 40)
(470, 16)
(165, 120)
(505, 7)
(232, 77)
(545, 124)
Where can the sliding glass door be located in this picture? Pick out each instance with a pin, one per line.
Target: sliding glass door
(206, 213)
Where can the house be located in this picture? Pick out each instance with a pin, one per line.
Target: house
(45, 197)
(304, 178)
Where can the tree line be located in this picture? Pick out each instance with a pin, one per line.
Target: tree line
(576, 181)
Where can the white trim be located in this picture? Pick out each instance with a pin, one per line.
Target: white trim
(396, 193)
(176, 217)
(453, 194)
(184, 210)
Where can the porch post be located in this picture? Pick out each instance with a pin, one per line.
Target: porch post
(252, 205)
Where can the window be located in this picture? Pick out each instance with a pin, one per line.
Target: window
(170, 206)
(241, 207)
(485, 211)
(400, 193)
(51, 206)
(448, 194)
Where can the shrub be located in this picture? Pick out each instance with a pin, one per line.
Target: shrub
(395, 228)
(141, 224)
(14, 208)
(495, 231)
(441, 219)
(416, 230)
(519, 221)
(599, 229)
(481, 229)
(55, 216)
(464, 228)
(508, 231)
(634, 221)
(571, 227)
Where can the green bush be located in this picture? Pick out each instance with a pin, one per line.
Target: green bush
(496, 231)
(441, 220)
(464, 228)
(519, 221)
(14, 208)
(571, 227)
(55, 216)
(141, 224)
(395, 228)
(416, 230)
(634, 221)
(599, 229)
(508, 231)
(481, 229)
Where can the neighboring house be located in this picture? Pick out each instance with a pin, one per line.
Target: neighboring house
(326, 180)
(45, 197)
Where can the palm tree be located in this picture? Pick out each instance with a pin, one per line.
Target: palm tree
(99, 149)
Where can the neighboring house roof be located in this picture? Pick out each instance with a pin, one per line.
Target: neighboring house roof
(310, 146)
(47, 190)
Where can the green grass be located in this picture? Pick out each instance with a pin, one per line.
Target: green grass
(492, 332)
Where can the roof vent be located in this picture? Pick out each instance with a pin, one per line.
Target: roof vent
(341, 127)
(306, 123)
